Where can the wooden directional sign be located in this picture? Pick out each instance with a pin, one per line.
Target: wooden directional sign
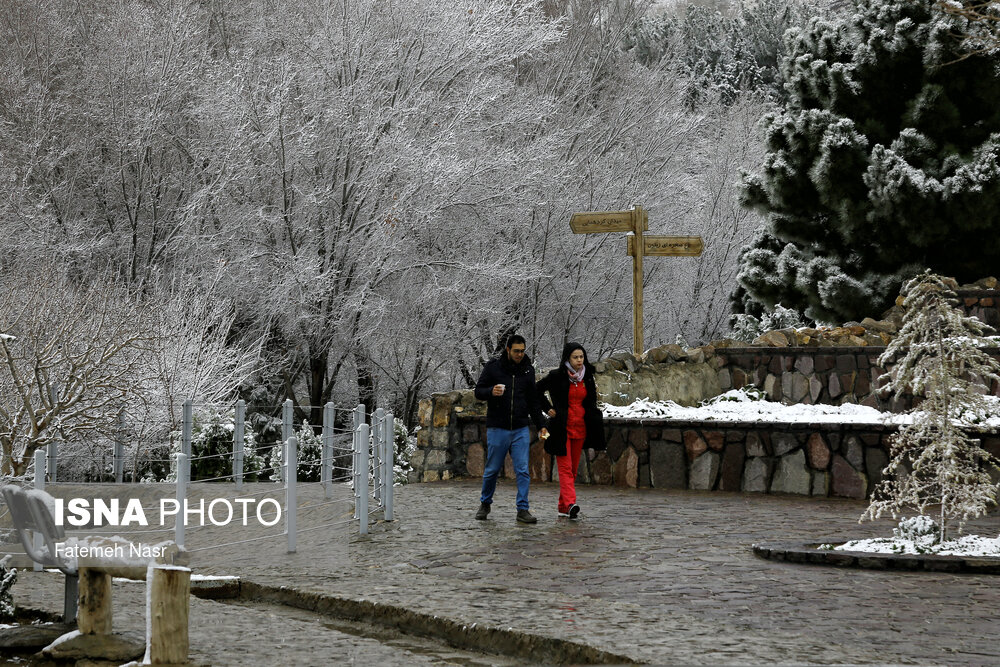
(667, 246)
(596, 222)
(635, 221)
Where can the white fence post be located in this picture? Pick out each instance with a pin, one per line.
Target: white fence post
(357, 419)
(378, 433)
(183, 474)
(238, 426)
(53, 457)
(389, 459)
(40, 485)
(187, 427)
(287, 431)
(291, 477)
(361, 478)
(326, 458)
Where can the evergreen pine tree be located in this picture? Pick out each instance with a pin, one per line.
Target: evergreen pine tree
(883, 162)
(934, 460)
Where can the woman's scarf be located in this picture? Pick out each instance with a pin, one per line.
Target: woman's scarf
(575, 376)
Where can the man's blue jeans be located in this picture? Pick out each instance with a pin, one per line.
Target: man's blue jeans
(499, 441)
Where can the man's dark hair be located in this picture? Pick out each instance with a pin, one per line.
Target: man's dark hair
(515, 338)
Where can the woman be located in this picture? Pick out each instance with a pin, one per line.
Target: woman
(575, 420)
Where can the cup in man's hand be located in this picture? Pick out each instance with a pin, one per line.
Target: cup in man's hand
(499, 389)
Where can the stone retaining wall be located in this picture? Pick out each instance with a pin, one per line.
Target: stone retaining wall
(810, 459)
(814, 366)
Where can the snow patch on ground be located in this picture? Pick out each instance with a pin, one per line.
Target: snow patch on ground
(739, 405)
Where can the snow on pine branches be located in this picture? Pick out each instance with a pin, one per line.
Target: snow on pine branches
(935, 460)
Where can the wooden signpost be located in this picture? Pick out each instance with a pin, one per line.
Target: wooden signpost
(636, 221)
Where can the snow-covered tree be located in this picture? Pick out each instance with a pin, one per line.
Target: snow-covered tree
(69, 356)
(883, 163)
(937, 357)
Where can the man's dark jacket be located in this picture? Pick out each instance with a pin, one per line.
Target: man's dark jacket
(556, 383)
(519, 401)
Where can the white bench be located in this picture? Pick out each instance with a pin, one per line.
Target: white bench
(88, 587)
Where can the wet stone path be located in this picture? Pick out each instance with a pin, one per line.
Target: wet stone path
(657, 576)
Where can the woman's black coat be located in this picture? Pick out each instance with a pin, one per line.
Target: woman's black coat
(556, 384)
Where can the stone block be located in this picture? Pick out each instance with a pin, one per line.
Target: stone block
(739, 378)
(732, 467)
(772, 387)
(475, 460)
(435, 459)
(725, 379)
(470, 433)
(862, 384)
(847, 381)
(667, 465)
(846, 481)
(600, 469)
(694, 444)
(754, 445)
(424, 410)
(582, 472)
(617, 442)
(853, 452)
(846, 363)
(819, 451)
(440, 438)
(794, 386)
(626, 469)
(820, 484)
(704, 472)
(805, 364)
(833, 386)
(430, 476)
(757, 475)
(815, 389)
(644, 475)
(716, 440)
(540, 462)
(442, 410)
(782, 443)
(876, 460)
(792, 475)
(672, 435)
(638, 438)
(824, 362)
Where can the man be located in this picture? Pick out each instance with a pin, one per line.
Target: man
(507, 384)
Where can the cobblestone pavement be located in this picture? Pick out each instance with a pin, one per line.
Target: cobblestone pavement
(659, 576)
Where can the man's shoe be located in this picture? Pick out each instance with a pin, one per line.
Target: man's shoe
(562, 513)
(574, 511)
(524, 516)
(484, 510)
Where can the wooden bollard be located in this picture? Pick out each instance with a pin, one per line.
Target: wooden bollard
(168, 588)
(94, 615)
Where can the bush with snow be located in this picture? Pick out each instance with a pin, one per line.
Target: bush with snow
(8, 577)
(212, 448)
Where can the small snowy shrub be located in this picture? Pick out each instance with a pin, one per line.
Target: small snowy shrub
(747, 394)
(212, 448)
(916, 528)
(405, 444)
(309, 453)
(747, 327)
(8, 577)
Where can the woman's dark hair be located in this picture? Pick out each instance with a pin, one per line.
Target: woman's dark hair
(568, 349)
